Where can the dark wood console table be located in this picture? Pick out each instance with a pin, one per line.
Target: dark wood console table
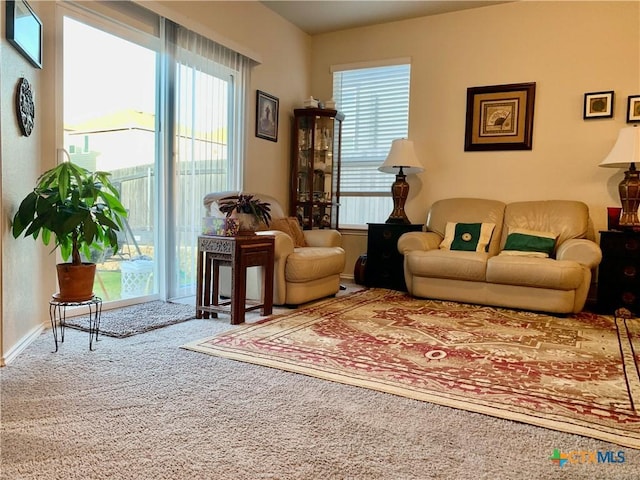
(239, 253)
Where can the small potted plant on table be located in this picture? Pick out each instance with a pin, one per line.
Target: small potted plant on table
(82, 210)
(249, 211)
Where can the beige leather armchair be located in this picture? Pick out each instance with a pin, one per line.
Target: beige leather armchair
(301, 274)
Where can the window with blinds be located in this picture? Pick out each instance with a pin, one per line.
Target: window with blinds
(375, 102)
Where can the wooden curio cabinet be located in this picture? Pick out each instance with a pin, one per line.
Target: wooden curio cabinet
(315, 167)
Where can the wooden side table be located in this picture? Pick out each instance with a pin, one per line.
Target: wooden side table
(385, 265)
(239, 253)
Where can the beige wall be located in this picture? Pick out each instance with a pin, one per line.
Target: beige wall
(28, 272)
(567, 48)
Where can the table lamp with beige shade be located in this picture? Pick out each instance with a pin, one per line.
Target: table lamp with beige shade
(402, 161)
(625, 154)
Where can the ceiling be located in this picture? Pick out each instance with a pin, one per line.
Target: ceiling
(322, 16)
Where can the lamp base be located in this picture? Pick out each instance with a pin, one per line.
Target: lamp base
(629, 190)
(399, 192)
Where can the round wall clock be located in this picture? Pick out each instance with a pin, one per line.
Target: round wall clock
(25, 107)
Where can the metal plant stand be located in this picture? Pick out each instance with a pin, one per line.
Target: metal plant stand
(58, 316)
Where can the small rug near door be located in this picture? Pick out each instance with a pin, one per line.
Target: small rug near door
(127, 321)
(577, 374)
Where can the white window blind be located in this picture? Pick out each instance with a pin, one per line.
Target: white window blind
(375, 102)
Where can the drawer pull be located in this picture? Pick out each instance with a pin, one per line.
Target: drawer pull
(385, 256)
(629, 271)
(631, 244)
(628, 298)
(387, 234)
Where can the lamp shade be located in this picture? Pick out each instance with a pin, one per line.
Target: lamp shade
(402, 154)
(626, 149)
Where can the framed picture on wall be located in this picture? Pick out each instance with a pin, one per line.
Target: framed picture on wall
(267, 116)
(24, 31)
(633, 109)
(598, 105)
(500, 117)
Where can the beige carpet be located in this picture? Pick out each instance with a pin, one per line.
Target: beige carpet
(577, 374)
(142, 408)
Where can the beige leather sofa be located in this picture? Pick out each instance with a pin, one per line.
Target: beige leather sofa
(301, 274)
(499, 277)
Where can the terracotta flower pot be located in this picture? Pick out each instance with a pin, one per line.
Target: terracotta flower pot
(75, 281)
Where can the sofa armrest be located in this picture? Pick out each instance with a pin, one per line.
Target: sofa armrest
(583, 251)
(418, 241)
(322, 238)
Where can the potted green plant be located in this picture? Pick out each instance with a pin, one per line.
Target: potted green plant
(82, 210)
(249, 211)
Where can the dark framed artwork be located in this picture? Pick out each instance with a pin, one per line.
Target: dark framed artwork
(500, 117)
(24, 31)
(598, 105)
(267, 116)
(633, 109)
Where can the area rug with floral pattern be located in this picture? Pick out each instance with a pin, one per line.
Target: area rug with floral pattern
(577, 374)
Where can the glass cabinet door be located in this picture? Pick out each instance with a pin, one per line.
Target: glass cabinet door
(316, 158)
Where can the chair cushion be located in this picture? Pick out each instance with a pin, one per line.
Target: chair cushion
(310, 263)
(535, 272)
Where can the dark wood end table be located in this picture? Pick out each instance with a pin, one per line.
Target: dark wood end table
(239, 253)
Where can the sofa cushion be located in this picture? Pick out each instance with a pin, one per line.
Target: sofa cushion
(535, 272)
(310, 263)
(523, 242)
(454, 264)
(567, 218)
(470, 237)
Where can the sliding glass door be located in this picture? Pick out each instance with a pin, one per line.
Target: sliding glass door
(110, 124)
(164, 114)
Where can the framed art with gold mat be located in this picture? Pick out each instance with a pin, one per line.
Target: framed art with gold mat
(500, 117)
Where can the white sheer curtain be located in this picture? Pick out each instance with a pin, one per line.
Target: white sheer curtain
(207, 116)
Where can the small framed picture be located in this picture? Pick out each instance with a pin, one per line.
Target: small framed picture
(500, 117)
(267, 116)
(598, 105)
(633, 109)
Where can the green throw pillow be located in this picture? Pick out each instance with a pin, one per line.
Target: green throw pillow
(530, 241)
(470, 237)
